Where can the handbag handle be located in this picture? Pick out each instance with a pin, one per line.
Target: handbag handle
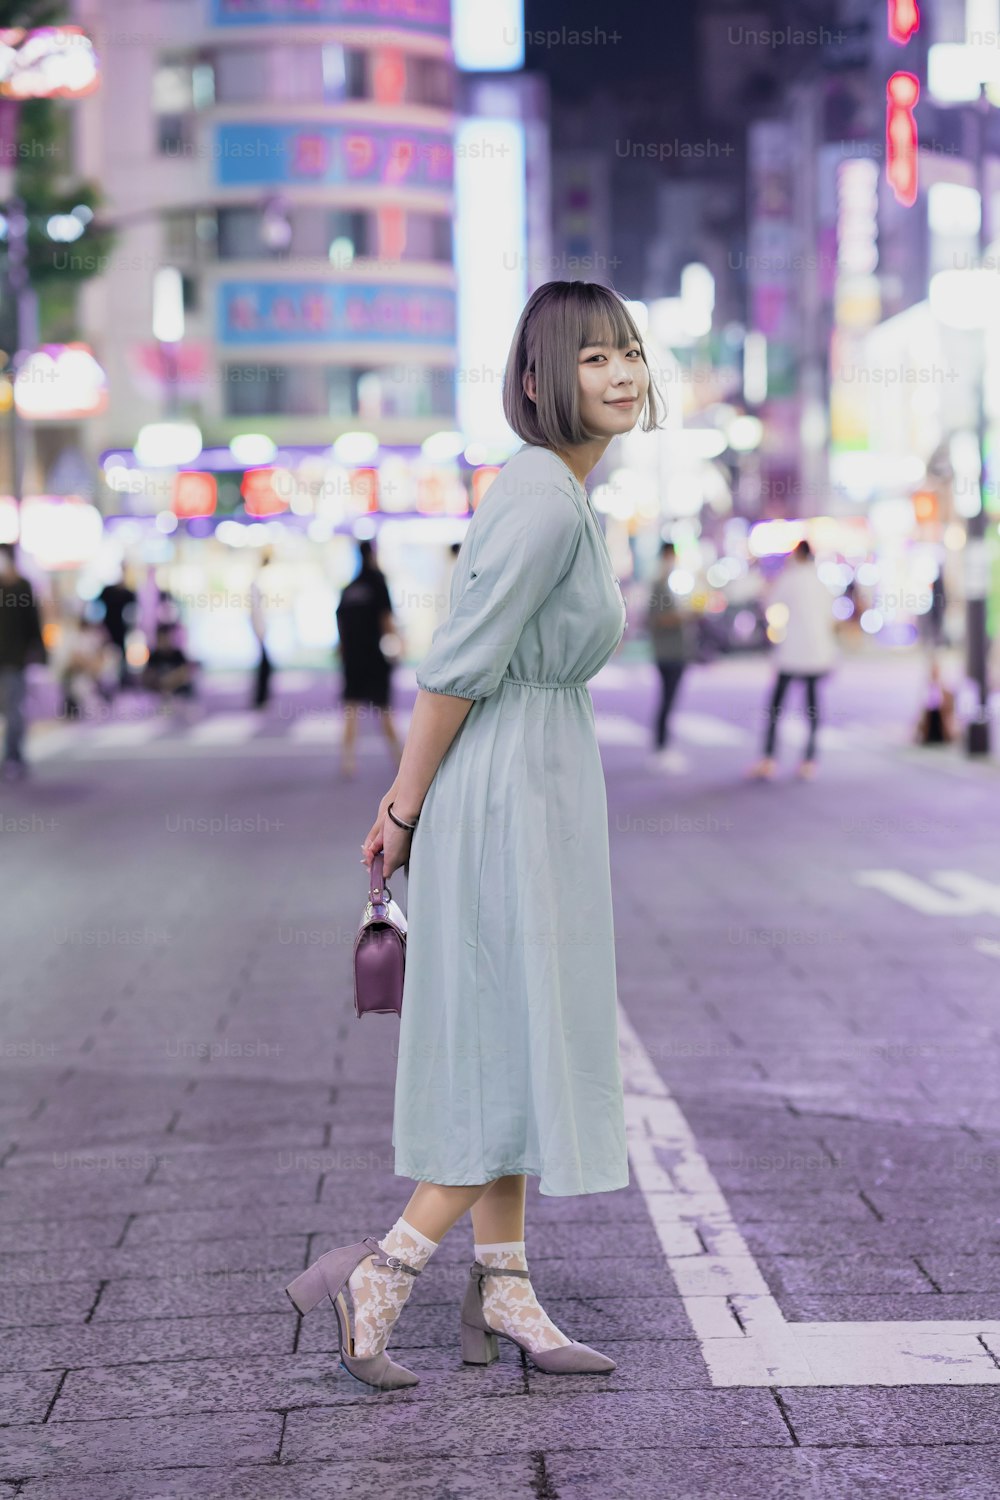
(378, 892)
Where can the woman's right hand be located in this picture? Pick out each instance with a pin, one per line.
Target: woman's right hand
(374, 841)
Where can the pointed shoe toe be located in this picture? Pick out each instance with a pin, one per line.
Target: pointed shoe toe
(379, 1372)
(572, 1359)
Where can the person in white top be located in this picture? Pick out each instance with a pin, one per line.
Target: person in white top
(808, 651)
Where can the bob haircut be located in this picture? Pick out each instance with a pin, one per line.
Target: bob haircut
(560, 319)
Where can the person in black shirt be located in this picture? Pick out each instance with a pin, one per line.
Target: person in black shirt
(364, 617)
(168, 671)
(119, 616)
(20, 643)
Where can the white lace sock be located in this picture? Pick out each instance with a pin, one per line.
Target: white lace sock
(379, 1292)
(509, 1302)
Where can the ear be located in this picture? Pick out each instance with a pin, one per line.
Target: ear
(530, 386)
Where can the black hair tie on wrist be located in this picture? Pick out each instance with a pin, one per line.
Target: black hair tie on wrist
(399, 822)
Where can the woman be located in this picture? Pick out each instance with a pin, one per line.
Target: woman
(508, 1050)
(364, 616)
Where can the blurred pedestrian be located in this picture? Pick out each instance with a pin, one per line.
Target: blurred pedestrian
(807, 651)
(364, 618)
(120, 603)
(671, 628)
(258, 621)
(20, 643)
(936, 725)
(169, 672)
(79, 667)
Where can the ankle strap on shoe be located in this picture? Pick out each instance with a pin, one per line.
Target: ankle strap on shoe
(478, 1270)
(381, 1258)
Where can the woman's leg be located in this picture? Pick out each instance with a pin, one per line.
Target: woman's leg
(434, 1208)
(379, 1293)
(349, 740)
(774, 713)
(812, 711)
(509, 1302)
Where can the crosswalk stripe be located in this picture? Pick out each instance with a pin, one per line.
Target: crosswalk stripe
(129, 733)
(224, 729)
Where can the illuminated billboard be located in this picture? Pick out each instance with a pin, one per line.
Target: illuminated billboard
(428, 16)
(255, 153)
(298, 312)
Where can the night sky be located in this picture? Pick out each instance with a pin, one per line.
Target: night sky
(655, 41)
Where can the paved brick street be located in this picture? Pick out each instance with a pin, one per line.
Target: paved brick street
(801, 1285)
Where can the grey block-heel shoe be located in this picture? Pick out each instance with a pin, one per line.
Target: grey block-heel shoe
(479, 1340)
(327, 1277)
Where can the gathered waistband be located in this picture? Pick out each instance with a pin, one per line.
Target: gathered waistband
(525, 682)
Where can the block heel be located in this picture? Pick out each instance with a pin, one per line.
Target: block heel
(309, 1289)
(328, 1277)
(478, 1346)
(479, 1340)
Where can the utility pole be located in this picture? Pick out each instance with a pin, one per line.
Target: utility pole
(977, 734)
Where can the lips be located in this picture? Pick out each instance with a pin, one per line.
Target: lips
(625, 401)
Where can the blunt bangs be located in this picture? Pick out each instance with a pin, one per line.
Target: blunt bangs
(560, 319)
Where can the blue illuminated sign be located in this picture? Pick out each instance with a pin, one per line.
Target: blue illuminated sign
(254, 154)
(311, 312)
(428, 16)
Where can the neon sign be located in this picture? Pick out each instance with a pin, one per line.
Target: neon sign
(258, 153)
(296, 312)
(902, 92)
(195, 494)
(904, 20)
(427, 16)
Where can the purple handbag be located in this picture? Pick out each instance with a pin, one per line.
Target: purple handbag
(379, 950)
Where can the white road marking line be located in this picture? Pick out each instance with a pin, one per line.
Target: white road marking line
(322, 728)
(619, 729)
(721, 1286)
(225, 729)
(707, 729)
(964, 895)
(126, 734)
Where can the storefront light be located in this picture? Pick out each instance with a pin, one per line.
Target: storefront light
(698, 442)
(441, 447)
(253, 448)
(61, 382)
(745, 434)
(60, 531)
(953, 209)
(166, 522)
(774, 538)
(231, 534)
(356, 447)
(955, 72)
(965, 300)
(164, 445)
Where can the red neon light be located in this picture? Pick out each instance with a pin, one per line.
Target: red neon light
(902, 92)
(260, 498)
(194, 494)
(389, 77)
(904, 20)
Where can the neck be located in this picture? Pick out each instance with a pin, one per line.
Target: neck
(582, 457)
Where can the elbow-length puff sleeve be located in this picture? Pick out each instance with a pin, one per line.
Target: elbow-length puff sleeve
(525, 545)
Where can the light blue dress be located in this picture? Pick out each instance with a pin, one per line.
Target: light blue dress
(508, 1045)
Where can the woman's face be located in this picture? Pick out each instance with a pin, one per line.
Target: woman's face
(613, 387)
